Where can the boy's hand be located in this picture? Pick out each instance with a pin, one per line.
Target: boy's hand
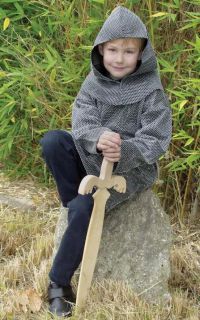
(113, 155)
(110, 145)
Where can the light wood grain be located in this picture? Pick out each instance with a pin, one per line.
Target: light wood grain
(93, 238)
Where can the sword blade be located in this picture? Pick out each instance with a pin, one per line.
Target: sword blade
(92, 244)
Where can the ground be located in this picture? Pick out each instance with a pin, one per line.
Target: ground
(28, 215)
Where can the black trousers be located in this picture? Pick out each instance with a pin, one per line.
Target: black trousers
(62, 159)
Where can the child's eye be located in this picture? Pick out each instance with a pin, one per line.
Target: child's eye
(112, 49)
(131, 52)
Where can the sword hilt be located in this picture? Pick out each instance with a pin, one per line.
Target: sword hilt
(106, 169)
(105, 180)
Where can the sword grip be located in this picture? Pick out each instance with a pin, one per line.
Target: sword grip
(106, 169)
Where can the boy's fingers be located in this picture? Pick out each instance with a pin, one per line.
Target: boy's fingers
(113, 139)
(111, 136)
(104, 144)
(109, 143)
(112, 150)
(111, 159)
(109, 140)
(112, 156)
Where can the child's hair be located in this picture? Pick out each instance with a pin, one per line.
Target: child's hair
(142, 42)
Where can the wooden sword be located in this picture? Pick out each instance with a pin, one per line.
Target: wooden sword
(102, 183)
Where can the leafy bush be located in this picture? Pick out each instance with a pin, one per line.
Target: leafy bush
(45, 55)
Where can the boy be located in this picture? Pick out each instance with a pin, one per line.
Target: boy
(120, 113)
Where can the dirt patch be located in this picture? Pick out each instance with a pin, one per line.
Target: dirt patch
(26, 195)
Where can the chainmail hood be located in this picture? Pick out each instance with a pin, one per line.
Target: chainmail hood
(134, 106)
(122, 23)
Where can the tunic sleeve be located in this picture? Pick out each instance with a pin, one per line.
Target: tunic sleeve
(86, 123)
(152, 138)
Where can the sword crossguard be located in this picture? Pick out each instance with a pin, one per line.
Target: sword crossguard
(118, 183)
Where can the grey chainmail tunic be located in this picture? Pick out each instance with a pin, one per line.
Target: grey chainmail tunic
(135, 107)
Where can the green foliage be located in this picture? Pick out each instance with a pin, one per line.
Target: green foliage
(43, 62)
(45, 55)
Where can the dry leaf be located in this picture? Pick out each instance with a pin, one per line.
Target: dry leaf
(159, 14)
(35, 301)
(6, 23)
(29, 300)
(22, 301)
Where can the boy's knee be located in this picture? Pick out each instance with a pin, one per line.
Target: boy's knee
(51, 141)
(81, 207)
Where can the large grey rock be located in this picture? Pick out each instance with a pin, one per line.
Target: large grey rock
(61, 226)
(22, 204)
(135, 246)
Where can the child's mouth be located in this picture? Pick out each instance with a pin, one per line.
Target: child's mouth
(118, 68)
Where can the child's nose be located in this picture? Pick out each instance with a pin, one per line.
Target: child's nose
(119, 58)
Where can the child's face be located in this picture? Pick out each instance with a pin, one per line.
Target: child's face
(120, 56)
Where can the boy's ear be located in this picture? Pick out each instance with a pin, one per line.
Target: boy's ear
(100, 47)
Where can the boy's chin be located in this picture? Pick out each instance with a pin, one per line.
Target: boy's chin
(118, 77)
(115, 78)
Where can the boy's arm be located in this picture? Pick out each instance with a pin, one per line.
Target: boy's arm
(152, 139)
(86, 123)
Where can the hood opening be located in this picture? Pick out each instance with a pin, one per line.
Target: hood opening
(97, 60)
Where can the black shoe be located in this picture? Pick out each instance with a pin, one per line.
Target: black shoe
(61, 300)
